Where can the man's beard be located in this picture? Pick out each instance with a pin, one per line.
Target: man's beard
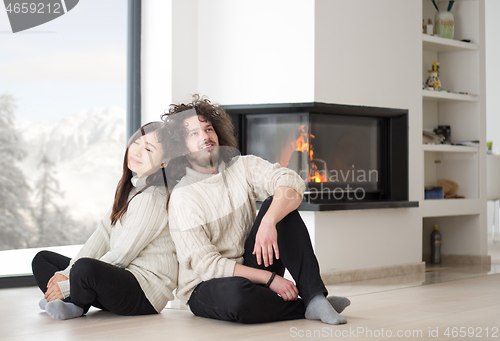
(204, 158)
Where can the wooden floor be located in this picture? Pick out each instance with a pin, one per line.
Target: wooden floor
(413, 311)
(395, 308)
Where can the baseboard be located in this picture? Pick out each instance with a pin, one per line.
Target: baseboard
(17, 281)
(417, 269)
(461, 260)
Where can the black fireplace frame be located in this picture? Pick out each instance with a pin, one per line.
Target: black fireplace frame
(397, 150)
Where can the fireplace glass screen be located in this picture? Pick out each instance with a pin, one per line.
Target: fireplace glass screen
(339, 155)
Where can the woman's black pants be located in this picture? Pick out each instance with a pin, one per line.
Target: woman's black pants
(238, 299)
(94, 283)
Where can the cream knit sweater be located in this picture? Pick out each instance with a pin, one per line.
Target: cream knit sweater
(211, 216)
(140, 243)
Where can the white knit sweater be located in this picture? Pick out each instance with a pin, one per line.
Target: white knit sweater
(140, 243)
(211, 216)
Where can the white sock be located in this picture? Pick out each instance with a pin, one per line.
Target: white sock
(42, 303)
(63, 310)
(320, 309)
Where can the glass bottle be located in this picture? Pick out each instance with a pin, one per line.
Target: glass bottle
(436, 246)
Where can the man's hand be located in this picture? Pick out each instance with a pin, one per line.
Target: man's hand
(285, 200)
(285, 288)
(281, 286)
(53, 291)
(266, 243)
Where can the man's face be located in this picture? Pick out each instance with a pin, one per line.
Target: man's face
(201, 141)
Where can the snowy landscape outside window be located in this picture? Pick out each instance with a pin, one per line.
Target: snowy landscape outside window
(62, 129)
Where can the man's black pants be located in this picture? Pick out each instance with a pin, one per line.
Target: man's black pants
(238, 299)
(96, 283)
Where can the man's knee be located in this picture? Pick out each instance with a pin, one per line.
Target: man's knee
(244, 300)
(266, 203)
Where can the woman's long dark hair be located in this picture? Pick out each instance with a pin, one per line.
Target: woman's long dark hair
(120, 204)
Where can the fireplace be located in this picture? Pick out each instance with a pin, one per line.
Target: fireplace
(349, 156)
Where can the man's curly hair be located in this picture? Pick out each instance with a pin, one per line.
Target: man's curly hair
(177, 131)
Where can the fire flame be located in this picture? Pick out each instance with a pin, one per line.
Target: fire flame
(305, 146)
(303, 140)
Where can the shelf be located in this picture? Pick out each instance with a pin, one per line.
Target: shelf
(442, 96)
(438, 44)
(344, 206)
(450, 207)
(446, 148)
(462, 73)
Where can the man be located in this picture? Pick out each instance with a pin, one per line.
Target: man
(231, 264)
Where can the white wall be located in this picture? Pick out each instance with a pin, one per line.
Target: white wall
(492, 28)
(156, 58)
(364, 239)
(256, 51)
(366, 52)
(184, 50)
(493, 73)
(232, 51)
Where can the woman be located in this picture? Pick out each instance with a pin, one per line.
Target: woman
(128, 266)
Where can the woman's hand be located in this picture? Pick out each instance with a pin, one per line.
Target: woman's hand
(56, 278)
(53, 291)
(285, 288)
(266, 243)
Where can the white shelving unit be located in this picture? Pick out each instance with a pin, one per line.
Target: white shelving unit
(441, 96)
(450, 207)
(438, 44)
(446, 148)
(462, 107)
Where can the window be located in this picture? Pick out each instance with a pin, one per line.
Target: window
(62, 129)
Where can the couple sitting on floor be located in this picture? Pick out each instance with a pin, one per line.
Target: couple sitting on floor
(202, 237)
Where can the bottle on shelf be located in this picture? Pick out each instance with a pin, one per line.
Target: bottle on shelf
(436, 246)
(430, 28)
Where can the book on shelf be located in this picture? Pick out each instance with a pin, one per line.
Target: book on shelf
(473, 143)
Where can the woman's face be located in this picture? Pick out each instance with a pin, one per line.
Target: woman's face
(145, 155)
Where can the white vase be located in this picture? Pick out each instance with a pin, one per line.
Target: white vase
(444, 25)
